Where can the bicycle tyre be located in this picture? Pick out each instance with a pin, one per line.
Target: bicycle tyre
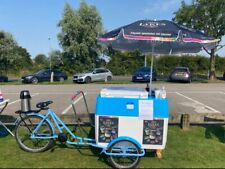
(23, 132)
(124, 161)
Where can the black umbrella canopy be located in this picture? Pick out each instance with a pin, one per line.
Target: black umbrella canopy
(165, 37)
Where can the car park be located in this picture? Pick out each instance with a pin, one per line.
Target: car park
(44, 75)
(3, 78)
(180, 74)
(96, 74)
(143, 75)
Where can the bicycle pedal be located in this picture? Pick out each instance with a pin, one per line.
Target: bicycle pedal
(62, 137)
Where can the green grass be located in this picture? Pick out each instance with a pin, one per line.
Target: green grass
(199, 147)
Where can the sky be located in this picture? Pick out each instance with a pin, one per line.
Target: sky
(33, 23)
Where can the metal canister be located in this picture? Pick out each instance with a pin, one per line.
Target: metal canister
(25, 100)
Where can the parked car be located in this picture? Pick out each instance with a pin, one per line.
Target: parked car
(180, 74)
(143, 75)
(3, 78)
(44, 75)
(96, 74)
(224, 76)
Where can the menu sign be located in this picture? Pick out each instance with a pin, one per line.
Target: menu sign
(108, 128)
(153, 132)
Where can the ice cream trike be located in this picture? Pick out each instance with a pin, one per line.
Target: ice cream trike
(127, 122)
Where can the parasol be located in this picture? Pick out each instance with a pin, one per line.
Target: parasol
(157, 37)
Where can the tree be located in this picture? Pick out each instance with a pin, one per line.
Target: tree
(12, 56)
(79, 29)
(207, 16)
(56, 59)
(124, 63)
(22, 61)
(7, 44)
(41, 60)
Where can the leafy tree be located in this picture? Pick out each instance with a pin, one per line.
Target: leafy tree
(79, 29)
(7, 44)
(41, 60)
(56, 59)
(22, 61)
(12, 56)
(207, 16)
(124, 63)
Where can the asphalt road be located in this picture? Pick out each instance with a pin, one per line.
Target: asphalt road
(196, 98)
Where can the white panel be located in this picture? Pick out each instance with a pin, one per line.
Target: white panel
(131, 127)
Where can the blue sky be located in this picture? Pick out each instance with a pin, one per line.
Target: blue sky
(32, 22)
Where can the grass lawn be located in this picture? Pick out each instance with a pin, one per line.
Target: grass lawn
(199, 147)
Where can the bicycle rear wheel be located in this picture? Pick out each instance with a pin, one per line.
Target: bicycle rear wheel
(24, 130)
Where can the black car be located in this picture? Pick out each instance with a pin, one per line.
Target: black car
(143, 75)
(3, 78)
(44, 75)
(180, 74)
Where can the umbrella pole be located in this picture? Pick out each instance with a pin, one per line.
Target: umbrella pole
(150, 82)
(145, 61)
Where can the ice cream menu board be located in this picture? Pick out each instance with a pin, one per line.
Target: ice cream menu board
(108, 128)
(153, 132)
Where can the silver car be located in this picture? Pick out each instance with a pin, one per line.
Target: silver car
(92, 75)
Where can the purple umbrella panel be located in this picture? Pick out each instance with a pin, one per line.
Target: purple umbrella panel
(165, 36)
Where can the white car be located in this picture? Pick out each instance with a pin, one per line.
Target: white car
(92, 75)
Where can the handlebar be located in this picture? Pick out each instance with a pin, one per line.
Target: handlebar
(76, 95)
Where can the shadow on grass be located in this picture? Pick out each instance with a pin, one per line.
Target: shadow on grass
(150, 153)
(7, 119)
(97, 151)
(80, 148)
(217, 131)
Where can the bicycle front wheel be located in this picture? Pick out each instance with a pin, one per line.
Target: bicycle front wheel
(24, 130)
(123, 161)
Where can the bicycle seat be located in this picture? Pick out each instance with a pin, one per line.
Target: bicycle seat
(44, 105)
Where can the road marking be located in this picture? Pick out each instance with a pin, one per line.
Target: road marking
(70, 106)
(19, 99)
(198, 92)
(10, 93)
(199, 107)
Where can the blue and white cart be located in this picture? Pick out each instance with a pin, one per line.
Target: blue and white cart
(131, 114)
(127, 121)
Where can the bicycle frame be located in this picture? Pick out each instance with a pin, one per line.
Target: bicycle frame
(57, 123)
(80, 140)
(60, 126)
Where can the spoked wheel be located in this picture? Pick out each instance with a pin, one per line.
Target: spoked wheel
(123, 161)
(24, 130)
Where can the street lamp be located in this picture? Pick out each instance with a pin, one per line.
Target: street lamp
(50, 57)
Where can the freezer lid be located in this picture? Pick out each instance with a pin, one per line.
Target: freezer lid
(125, 92)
